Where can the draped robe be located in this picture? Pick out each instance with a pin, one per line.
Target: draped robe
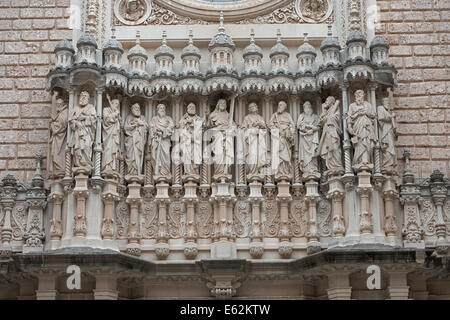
(361, 127)
(387, 138)
(222, 144)
(283, 129)
(58, 135)
(135, 129)
(111, 139)
(255, 148)
(83, 124)
(330, 143)
(161, 129)
(191, 142)
(309, 141)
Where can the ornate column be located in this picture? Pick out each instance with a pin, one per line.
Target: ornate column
(68, 153)
(8, 195)
(81, 193)
(378, 177)
(311, 197)
(36, 203)
(284, 197)
(439, 195)
(56, 197)
(256, 198)
(134, 200)
(410, 198)
(348, 177)
(162, 199)
(98, 138)
(336, 194)
(390, 193)
(110, 197)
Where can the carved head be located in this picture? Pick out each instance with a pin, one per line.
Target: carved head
(386, 102)
(161, 110)
(282, 106)
(222, 104)
(253, 107)
(84, 98)
(359, 96)
(132, 5)
(191, 108)
(307, 107)
(60, 104)
(136, 110)
(115, 104)
(329, 102)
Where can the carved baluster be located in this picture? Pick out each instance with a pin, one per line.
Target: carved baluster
(347, 145)
(8, 195)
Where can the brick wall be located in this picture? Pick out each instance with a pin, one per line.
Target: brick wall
(418, 31)
(29, 31)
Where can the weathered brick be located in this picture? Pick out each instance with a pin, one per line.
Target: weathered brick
(34, 59)
(421, 4)
(405, 141)
(20, 3)
(29, 124)
(6, 83)
(407, 116)
(404, 27)
(422, 50)
(22, 24)
(22, 47)
(30, 150)
(38, 136)
(431, 15)
(53, 13)
(400, 5)
(35, 35)
(35, 111)
(10, 96)
(40, 96)
(18, 71)
(43, 23)
(60, 34)
(438, 128)
(420, 153)
(9, 110)
(400, 50)
(420, 128)
(42, 3)
(7, 151)
(9, 13)
(40, 71)
(436, 74)
(9, 35)
(22, 164)
(32, 13)
(440, 153)
(5, 24)
(13, 136)
(31, 83)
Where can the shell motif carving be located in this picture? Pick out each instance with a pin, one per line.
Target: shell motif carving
(428, 217)
(241, 219)
(149, 223)
(298, 218)
(123, 220)
(272, 218)
(19, 221)
(176, 219)
(204, 219)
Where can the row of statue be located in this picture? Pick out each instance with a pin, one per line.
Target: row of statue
(219, 128)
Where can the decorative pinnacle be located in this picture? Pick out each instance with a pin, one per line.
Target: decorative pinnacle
(164, 36)
(138, 37)
(113, 33)
(305, 37)
(278, 36)
(191, 35)
(406, 155)
(221, 26)
(252, 36)
(354, 15)
(330, 30)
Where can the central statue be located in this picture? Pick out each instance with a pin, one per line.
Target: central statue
(222, 145)
(135, 129)
(161, 130)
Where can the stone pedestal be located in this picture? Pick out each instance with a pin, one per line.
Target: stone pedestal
(364, 190)
(134, 200)
(339, 286)
(311, 197)
(81, 192)
(105, 287)
(190, 199)
(162, 248)
(284, 197)
(46, 287)
(110, 197)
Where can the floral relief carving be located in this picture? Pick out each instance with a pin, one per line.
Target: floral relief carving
(324, 217)
(149, 224)
(298, 218)
(428, 217)
(272, 216)
(204, 219)
(19, 221)
(241, 219)
(176, 219)
(123, 219)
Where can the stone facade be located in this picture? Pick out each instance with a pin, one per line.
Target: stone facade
(314, 187)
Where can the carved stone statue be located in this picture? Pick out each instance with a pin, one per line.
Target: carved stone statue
(111, 136)
(222, 145)
(308, 125)
(135, 129)
(58, 133)
(330, 142)
(360, 125)
(191, 134)
(132, 10)
(255, 148)
(161, 130)
(83, 122)
(282, 128)
(387, 123)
